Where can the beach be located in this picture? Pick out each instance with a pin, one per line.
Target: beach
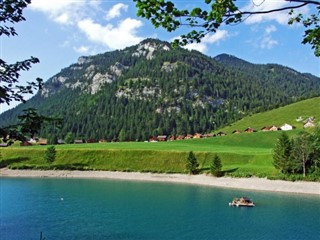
(253, 183)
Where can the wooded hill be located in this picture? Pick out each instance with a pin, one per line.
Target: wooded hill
(151, 89)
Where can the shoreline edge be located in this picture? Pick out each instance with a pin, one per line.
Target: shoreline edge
(253, 183)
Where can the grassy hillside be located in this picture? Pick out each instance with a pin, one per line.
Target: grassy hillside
(279, 116)
(243, 154)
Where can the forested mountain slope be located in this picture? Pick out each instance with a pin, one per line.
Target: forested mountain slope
(151, 89)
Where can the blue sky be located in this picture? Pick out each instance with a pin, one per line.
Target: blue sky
(58, 32)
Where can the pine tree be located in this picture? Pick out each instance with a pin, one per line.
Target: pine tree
(122, 135)
(69, 138)
(50, 154)
(216, 166)
(192, 163)
(282, 153)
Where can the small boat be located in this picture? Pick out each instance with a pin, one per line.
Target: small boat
(242, 202)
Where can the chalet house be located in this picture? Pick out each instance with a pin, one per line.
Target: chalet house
(180, 137)
(274, 128)
(102, 141)
(43, 141)
(78, 141)
(162, 138)
(309, 124)
(209, 135)
(189, 136)
(221, 134)
(25, 143)
(265, 129)
(236, 132)
(197, 135)
(286, 127)
(153, 139)
(172, 138)
(309, 119)
(91, 140)
(33, 140)
(249, 130)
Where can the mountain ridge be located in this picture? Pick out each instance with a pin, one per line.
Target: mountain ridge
(151, 88)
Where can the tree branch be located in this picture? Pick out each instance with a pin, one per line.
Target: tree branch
(249, 13)
(304, 1)
(274, 10)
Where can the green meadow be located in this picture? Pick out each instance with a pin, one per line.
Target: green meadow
(242, 155)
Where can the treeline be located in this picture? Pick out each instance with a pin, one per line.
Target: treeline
(299, 155)
(177, 92)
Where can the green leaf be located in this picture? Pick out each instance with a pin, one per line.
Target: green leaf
(196, 12)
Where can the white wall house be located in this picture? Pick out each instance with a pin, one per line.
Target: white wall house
(286, 127)
(308, 124)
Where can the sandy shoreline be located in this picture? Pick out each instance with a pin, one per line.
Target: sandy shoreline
(259, 184)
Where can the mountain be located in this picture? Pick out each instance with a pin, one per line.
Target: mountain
(152, 89)
(263, 71)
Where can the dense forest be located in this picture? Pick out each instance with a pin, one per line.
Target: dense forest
(152, 89)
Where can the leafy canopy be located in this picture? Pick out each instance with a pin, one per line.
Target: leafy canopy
(300, 155)
(217, 13)
(11, 13)
(10, 90)
(30, 123)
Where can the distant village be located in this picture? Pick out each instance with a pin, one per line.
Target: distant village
(309, 122)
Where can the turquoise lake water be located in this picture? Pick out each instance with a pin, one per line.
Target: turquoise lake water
(112, 209)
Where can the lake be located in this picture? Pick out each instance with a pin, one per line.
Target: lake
(115, 209)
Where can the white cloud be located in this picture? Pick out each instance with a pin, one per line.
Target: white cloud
(270, 29)
(214, 38)
(60, 11)
(80, 14)
(201, 47)
(267, 42)
(266, 5)
(114, 37)
(115, 11)
(81, 49)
